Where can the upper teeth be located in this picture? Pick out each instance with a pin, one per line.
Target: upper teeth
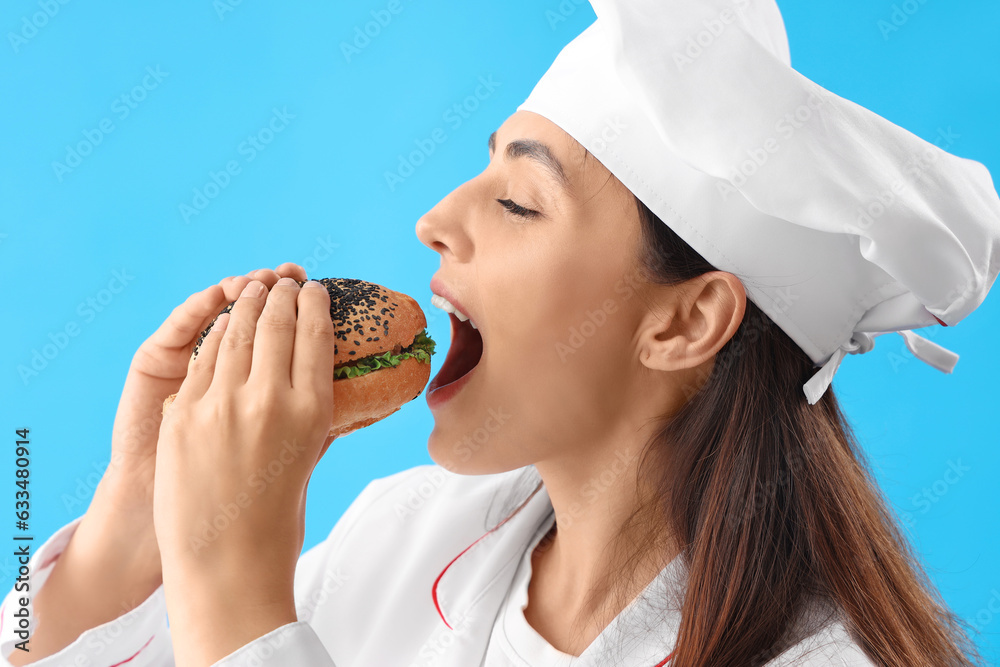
(445, 305)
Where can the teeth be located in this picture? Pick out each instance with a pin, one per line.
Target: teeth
(445, 305)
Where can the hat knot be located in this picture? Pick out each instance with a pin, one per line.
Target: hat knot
(860, 342)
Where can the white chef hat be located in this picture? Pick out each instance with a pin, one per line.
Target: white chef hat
(841, 225)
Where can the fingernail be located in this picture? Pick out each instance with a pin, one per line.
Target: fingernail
(313, 283)
(287, 281)
(253, 288)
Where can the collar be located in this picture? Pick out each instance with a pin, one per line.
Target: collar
(474, 583)
(481, 574)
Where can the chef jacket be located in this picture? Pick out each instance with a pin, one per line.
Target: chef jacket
(415, 573)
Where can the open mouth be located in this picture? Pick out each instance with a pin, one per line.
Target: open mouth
(463, 355)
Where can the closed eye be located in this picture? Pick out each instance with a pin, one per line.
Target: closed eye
(517, 209)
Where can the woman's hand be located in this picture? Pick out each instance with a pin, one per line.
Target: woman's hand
(236, 450)
(157, 369)
(124, 497)
(112, 563)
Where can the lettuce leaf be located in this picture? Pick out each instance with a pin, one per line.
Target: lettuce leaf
(421, 350)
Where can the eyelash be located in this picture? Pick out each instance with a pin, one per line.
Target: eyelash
(517, 209)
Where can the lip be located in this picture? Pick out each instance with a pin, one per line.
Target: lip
(439, 287)
(441, 395)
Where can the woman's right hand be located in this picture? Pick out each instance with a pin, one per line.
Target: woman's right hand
(112, 563)
(157, 370)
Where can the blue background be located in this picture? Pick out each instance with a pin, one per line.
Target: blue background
(321, 183)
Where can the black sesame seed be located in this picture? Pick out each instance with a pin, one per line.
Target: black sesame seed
(375, 338)
(368, 340)
(351, 352)
(357, 342)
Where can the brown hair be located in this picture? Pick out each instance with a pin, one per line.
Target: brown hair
(773, 506)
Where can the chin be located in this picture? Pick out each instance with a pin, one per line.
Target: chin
(463, 456)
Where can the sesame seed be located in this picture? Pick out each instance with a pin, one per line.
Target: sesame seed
(352, 302)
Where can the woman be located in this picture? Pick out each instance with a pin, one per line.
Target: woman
(650, 489)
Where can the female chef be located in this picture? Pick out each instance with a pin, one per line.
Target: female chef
(669, 254)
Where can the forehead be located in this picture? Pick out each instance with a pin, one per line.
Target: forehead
(584, 172)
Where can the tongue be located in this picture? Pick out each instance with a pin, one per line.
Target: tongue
(463, 355)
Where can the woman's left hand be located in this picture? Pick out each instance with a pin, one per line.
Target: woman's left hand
(236, 450)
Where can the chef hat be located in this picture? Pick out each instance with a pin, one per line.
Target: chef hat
(840, 225)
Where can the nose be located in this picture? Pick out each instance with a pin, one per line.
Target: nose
(445, 228)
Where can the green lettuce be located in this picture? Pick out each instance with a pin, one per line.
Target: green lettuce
(421, 350)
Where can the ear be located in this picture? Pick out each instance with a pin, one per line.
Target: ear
(688, 323)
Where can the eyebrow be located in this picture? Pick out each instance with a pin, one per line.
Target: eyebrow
(535, 150)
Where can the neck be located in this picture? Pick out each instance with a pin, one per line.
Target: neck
(592, 496)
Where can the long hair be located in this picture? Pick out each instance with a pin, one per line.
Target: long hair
(774, 507)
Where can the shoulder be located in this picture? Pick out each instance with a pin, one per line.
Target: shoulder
(823, 641)
(430, 487)
(429, 497)
(396, 536)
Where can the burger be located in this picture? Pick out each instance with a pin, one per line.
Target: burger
(382, 353)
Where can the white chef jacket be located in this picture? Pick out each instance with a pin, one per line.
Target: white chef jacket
(413, 574)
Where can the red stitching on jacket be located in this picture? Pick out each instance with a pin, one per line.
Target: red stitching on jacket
(134, 654)
(437, 605)
(434, 587)
(665, 660)
(434, 593)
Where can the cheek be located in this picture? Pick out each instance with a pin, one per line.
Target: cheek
(554, 369)
(561, 333)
